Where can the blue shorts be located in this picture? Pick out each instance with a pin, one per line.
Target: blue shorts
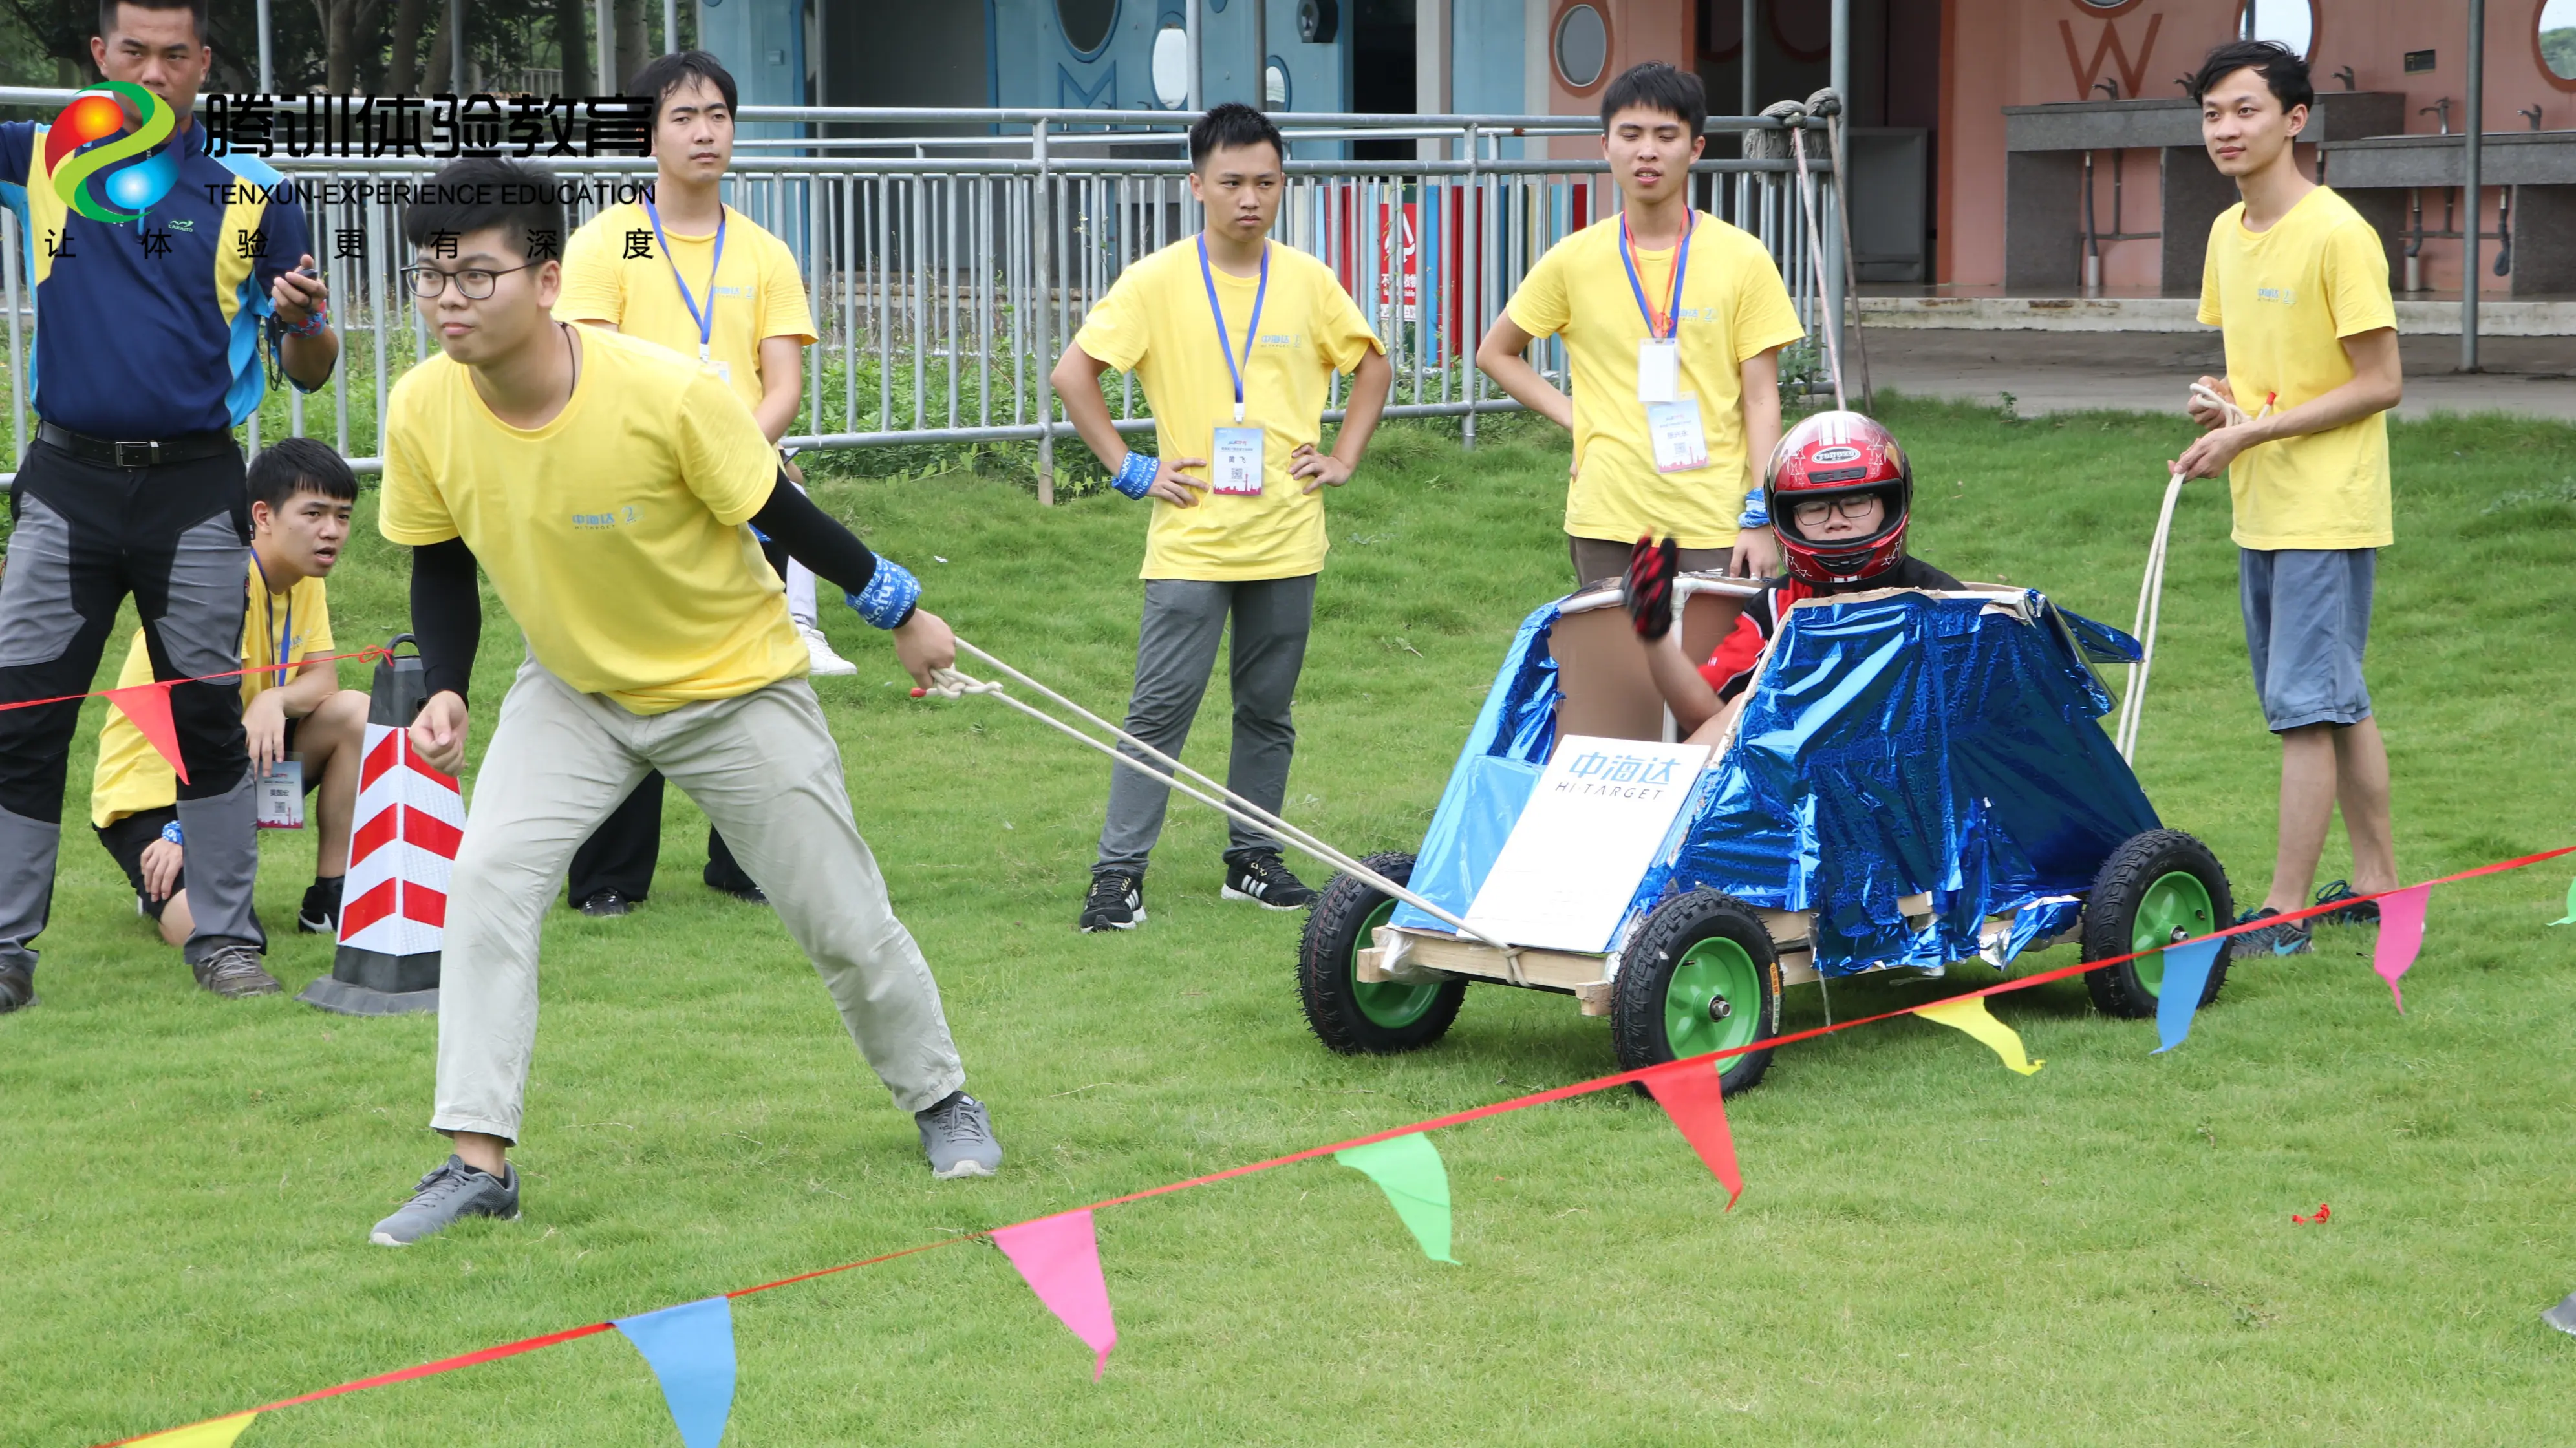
(2307, 620)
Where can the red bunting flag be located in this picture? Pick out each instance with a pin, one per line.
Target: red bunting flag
(148, 705)
(2401, 935)
(2323, 1212)
(1059, 1257)
(1689, 1093)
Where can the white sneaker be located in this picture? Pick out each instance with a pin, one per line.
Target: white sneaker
(819, 650)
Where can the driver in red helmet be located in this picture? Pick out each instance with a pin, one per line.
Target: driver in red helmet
(1839, 493)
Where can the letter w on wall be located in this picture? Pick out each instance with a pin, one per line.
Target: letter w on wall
(2133, 74)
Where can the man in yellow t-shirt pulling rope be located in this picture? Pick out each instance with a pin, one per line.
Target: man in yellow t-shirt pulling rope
(297, 717)
(2298, 283)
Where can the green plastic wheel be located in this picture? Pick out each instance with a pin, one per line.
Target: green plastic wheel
(2175, 907)
(1714, 1001)
(1366, 1017)
(1701, 975)
(1393, 1004)
(2156, 888)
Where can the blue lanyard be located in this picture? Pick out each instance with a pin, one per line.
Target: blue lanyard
(280, 642)
(1251, 329)
(706, 319)
(1672, 293)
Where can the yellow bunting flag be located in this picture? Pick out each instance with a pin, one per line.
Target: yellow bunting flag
(214, 1433)
(1968, 1013)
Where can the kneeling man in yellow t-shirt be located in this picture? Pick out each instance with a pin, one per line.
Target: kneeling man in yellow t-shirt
(294, 711)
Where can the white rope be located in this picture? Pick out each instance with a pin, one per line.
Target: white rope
(952, 684)
(2151, 589)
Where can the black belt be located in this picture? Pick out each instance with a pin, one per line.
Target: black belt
(188, 447)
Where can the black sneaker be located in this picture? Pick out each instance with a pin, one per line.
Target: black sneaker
(2290, 937)
(2365, 913)
(605, 904)
(740, 886)
(17, 991)
(1264, 879)
(448, 1195)
(1116, 902)
(320, 912)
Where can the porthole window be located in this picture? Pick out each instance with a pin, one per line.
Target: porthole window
(1274, 85)
(2555, 35)
(1582, 46)
(1172, 66)
(2291, 23)
(1086, 24)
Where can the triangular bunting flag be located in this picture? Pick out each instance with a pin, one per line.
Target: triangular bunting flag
(2570, 917)
(148, 705)
(1968, 1013)
(1408, 1170)
(2401, 935)
(1688, 1092)
(1059, 1257)
(216, 1433)
(690, 1349)
(2186, 977)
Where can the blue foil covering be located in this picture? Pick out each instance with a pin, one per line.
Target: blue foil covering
(1892, 746)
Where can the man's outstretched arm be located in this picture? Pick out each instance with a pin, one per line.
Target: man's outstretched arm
(447, 624)
(882, 591)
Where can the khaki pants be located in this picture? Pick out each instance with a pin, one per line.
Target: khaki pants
(765, 770)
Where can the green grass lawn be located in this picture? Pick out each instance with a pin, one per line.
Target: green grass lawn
(1931, 1250)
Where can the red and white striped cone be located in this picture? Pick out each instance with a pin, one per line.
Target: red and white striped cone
(402, 845)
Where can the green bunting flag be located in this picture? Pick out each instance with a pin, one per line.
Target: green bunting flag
(2570, 917)
(1408, 1170)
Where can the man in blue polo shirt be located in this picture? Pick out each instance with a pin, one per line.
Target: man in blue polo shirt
(148, 352)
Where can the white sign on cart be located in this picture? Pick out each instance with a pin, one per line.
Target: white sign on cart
(1594, 823)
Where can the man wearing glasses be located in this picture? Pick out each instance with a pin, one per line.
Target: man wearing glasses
(603, 483)
(133, 485)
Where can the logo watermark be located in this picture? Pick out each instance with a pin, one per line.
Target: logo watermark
(108, 182)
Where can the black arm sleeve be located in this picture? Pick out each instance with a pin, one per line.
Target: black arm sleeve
(446, 614)
(814, 538)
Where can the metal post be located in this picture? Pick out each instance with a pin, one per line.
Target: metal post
(2469, 184)
(1260, 55)
(1041, 302)
(456, 47)
(1752, 104)
(1471, 279)
(1197, 100)
(604, 80)
(267, 60)
(1839, 76)
(670, 27)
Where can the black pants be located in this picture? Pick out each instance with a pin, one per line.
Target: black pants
(175, 538)
(621, 853)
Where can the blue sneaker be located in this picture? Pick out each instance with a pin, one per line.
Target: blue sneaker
(2365, 913)
(447, 1196)
(2290, 937)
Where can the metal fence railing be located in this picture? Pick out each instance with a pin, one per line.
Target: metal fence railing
(946, 272)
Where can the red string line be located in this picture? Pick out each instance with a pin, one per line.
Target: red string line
(373, 652)
(1455, 1118)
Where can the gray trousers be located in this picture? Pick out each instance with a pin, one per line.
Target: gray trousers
(765, 769)
(1175, 654)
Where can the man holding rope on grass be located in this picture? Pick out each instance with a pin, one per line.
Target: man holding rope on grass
(604, 482)
(1238, 509)
(2298, 283)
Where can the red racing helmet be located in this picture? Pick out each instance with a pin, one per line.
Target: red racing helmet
(1827, 458)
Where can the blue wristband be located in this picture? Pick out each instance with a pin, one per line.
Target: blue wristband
(1136, 474)
(888, 599)
(1757, 510)
(173, 833)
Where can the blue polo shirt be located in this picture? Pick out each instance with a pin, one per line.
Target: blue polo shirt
(151, 329)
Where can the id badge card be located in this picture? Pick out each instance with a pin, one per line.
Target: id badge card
(1680, 445)
(1659, 371)
(281, 795)
(723, 370)
(1239, 462)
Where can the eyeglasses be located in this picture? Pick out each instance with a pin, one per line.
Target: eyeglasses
(474, 284)
(1855, 508)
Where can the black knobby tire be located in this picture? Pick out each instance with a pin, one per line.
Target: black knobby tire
(2153, 873)
(1711, 944)
(1347, 1015)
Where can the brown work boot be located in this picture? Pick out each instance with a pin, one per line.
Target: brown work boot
(233, 971)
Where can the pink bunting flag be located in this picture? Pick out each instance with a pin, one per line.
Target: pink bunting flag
(1059, 1257)
(148, 705)
(2401, 935)
(1689, 1093)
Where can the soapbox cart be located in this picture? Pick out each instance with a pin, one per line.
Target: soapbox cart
(1915, 779)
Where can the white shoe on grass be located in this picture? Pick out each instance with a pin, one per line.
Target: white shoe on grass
(818, 651)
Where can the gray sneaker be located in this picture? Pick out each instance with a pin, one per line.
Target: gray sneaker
(447, 1195)
(957, 1136)
(233, 972)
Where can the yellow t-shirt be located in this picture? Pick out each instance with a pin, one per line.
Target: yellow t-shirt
(278, 634)
(2286, 298)
(1155, 323)
(758, 294)
(1732, 307)
(613, 533)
